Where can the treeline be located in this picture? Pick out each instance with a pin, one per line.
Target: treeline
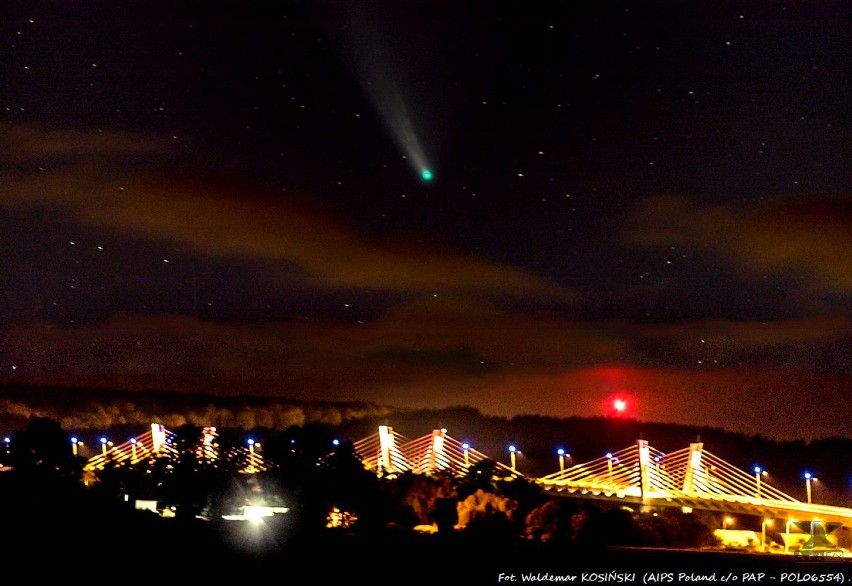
(104, 410)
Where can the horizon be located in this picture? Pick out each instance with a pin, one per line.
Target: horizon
(98, 410)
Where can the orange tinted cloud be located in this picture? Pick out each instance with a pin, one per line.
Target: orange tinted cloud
(450, 354)
(218, 218)
(806, 239)
(28, 144)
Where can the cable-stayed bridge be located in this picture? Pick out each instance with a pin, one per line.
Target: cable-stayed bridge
(640, 475)
(159, 442)
(689, 478)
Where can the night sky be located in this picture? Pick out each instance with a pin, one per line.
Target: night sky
(646, 200)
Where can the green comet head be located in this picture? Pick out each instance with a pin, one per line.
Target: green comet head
(426, 175)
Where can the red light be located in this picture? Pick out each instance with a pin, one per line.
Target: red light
(620, 405)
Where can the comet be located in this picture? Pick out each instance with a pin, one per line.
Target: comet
(373, 64)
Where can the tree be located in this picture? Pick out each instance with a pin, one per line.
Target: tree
(480, 476)
(44, 447)
(488, 515)
(423, 491)
(670, 527)
(552, 521)
(600, 527)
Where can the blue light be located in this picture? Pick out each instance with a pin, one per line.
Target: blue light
(426, 175)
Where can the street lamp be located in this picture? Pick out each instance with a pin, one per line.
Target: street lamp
(104, 446)
(466, 448)
(251, 454)
(763, 525)
(808, 478)
(727, 521)
(512, 450)
(757, 472)
(609, 465)
(133, 450)
(74, 442)
(562, 455)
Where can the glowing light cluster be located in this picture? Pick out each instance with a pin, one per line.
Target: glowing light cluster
(621, 405)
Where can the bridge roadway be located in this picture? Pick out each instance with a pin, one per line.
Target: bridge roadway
(768, 508)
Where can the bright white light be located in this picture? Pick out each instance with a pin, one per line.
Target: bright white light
(255, 513)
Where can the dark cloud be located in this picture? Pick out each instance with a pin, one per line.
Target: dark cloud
(229, 219)
(803, 240)
(503, 363)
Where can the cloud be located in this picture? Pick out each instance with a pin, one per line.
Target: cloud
(222, 218)
(30, 145)
(419, 351)
(806, 240)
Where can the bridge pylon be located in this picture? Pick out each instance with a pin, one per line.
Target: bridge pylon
(386, 448)
(436, 453)
(694, 466)
(644, 481)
